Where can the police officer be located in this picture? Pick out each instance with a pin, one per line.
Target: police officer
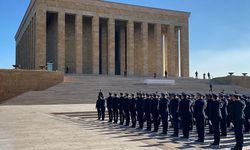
(174, 112)
(100, 106)
(126, 109)
(199, 115)
(140, 109)
(147, 111)
(121, 108)
(224, 114)
(164, 112)
(238, 120)
(208, 111)
(110, 107)
(216, 118)
(185, 114)
(132, 109)
(115, 108)
(155, 112)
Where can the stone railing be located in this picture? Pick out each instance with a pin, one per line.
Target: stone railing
(243, 81)
(16, 82)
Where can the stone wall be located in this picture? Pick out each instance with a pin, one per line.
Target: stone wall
(233, 80)
(16, 82)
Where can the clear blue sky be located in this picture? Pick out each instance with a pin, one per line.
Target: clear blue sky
(219, 32)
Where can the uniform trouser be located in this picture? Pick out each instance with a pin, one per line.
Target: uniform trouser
(127, 116)
(140, 118)
(192, 122)
(200, 127)
(247, 125)
(176, 124)
(110, 112)
(164, 118)
(99, 113)
(133, 118)
(115, 112)
(216, 130)
(238, 131)
(210, 126)
(228, 121)
(223, 126)
(156, 120)
(186, 126)
(121, 113)
(103, 113)
(149, 121)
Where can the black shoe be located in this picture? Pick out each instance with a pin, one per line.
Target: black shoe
(174, 135)
(199, 141)
(184, 137)
(147, 130)
(155, 131)
(215, 145)
(236, 148)
(164, 133)
(223, 135)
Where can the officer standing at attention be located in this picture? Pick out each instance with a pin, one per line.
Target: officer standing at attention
(199, 115)
(132, 109)
(174, 112)
(110, 107)
(121, 108)
(247, 114)
(100, 106)
(147, 109)
(126, 109)
(216, 118)
(238, 120)
(164, 112)
(115, 108)
(185, 114)
(140, 109)
(224, 114)
(155, 112)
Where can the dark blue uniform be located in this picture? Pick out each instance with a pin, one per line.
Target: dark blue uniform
(100, 106)
(174, 111)
(147, 110)
(185, 114)
(155, 113)
(224, 115)
(110, 107)
(121, 101)
(115, 108)
(199, 115)
(216, 118)
(132, 110)
(238, 121)
(126, 110)
(140, 110)
(164, 112)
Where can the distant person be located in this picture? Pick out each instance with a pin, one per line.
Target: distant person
(196, 75)
(67, 69)
(100, 106)
(154, 75)
(208, 75)
(166, 74)
(210, 87)
(204, 76)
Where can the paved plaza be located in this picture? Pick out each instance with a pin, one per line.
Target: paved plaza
(63, 118)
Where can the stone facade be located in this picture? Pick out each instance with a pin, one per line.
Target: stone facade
(99, 37)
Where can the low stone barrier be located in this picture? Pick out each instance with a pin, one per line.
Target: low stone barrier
(243, 81)
(16, 82)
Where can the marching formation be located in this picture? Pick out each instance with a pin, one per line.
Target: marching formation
(220, 112)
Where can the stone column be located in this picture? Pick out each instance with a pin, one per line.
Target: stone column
(95, 45)
(111, 46)
(61, 42)
(145, 47)
(176, 51)
(184, 50)
(78, 38)
(130, 46)
(171, 50)
(158, 49)
(40, 38)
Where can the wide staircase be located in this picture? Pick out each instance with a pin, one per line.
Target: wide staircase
(83, 89)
